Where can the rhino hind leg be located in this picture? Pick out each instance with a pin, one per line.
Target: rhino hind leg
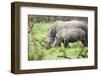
(84, 41)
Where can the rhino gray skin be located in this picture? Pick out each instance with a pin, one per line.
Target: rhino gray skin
(69, 35)
(58, 25)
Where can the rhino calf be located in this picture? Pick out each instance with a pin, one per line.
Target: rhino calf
(69, 35)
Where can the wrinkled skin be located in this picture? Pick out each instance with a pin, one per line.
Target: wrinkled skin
(69, 35)
(58, 25)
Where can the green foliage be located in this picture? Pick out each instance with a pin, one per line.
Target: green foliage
(40, 30)
(38, 50)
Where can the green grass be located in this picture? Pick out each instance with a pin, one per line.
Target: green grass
(40, 30)
(39, 52)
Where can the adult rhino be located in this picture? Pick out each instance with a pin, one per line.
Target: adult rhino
(58, 25)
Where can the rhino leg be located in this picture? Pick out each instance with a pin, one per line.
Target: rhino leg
(84, 41)
(66, 43)
(86, 38)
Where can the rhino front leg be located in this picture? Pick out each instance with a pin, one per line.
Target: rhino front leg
(66, 43)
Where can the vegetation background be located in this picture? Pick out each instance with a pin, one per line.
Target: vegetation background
(38, 26)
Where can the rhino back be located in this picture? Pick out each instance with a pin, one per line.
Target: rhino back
(70, 24)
